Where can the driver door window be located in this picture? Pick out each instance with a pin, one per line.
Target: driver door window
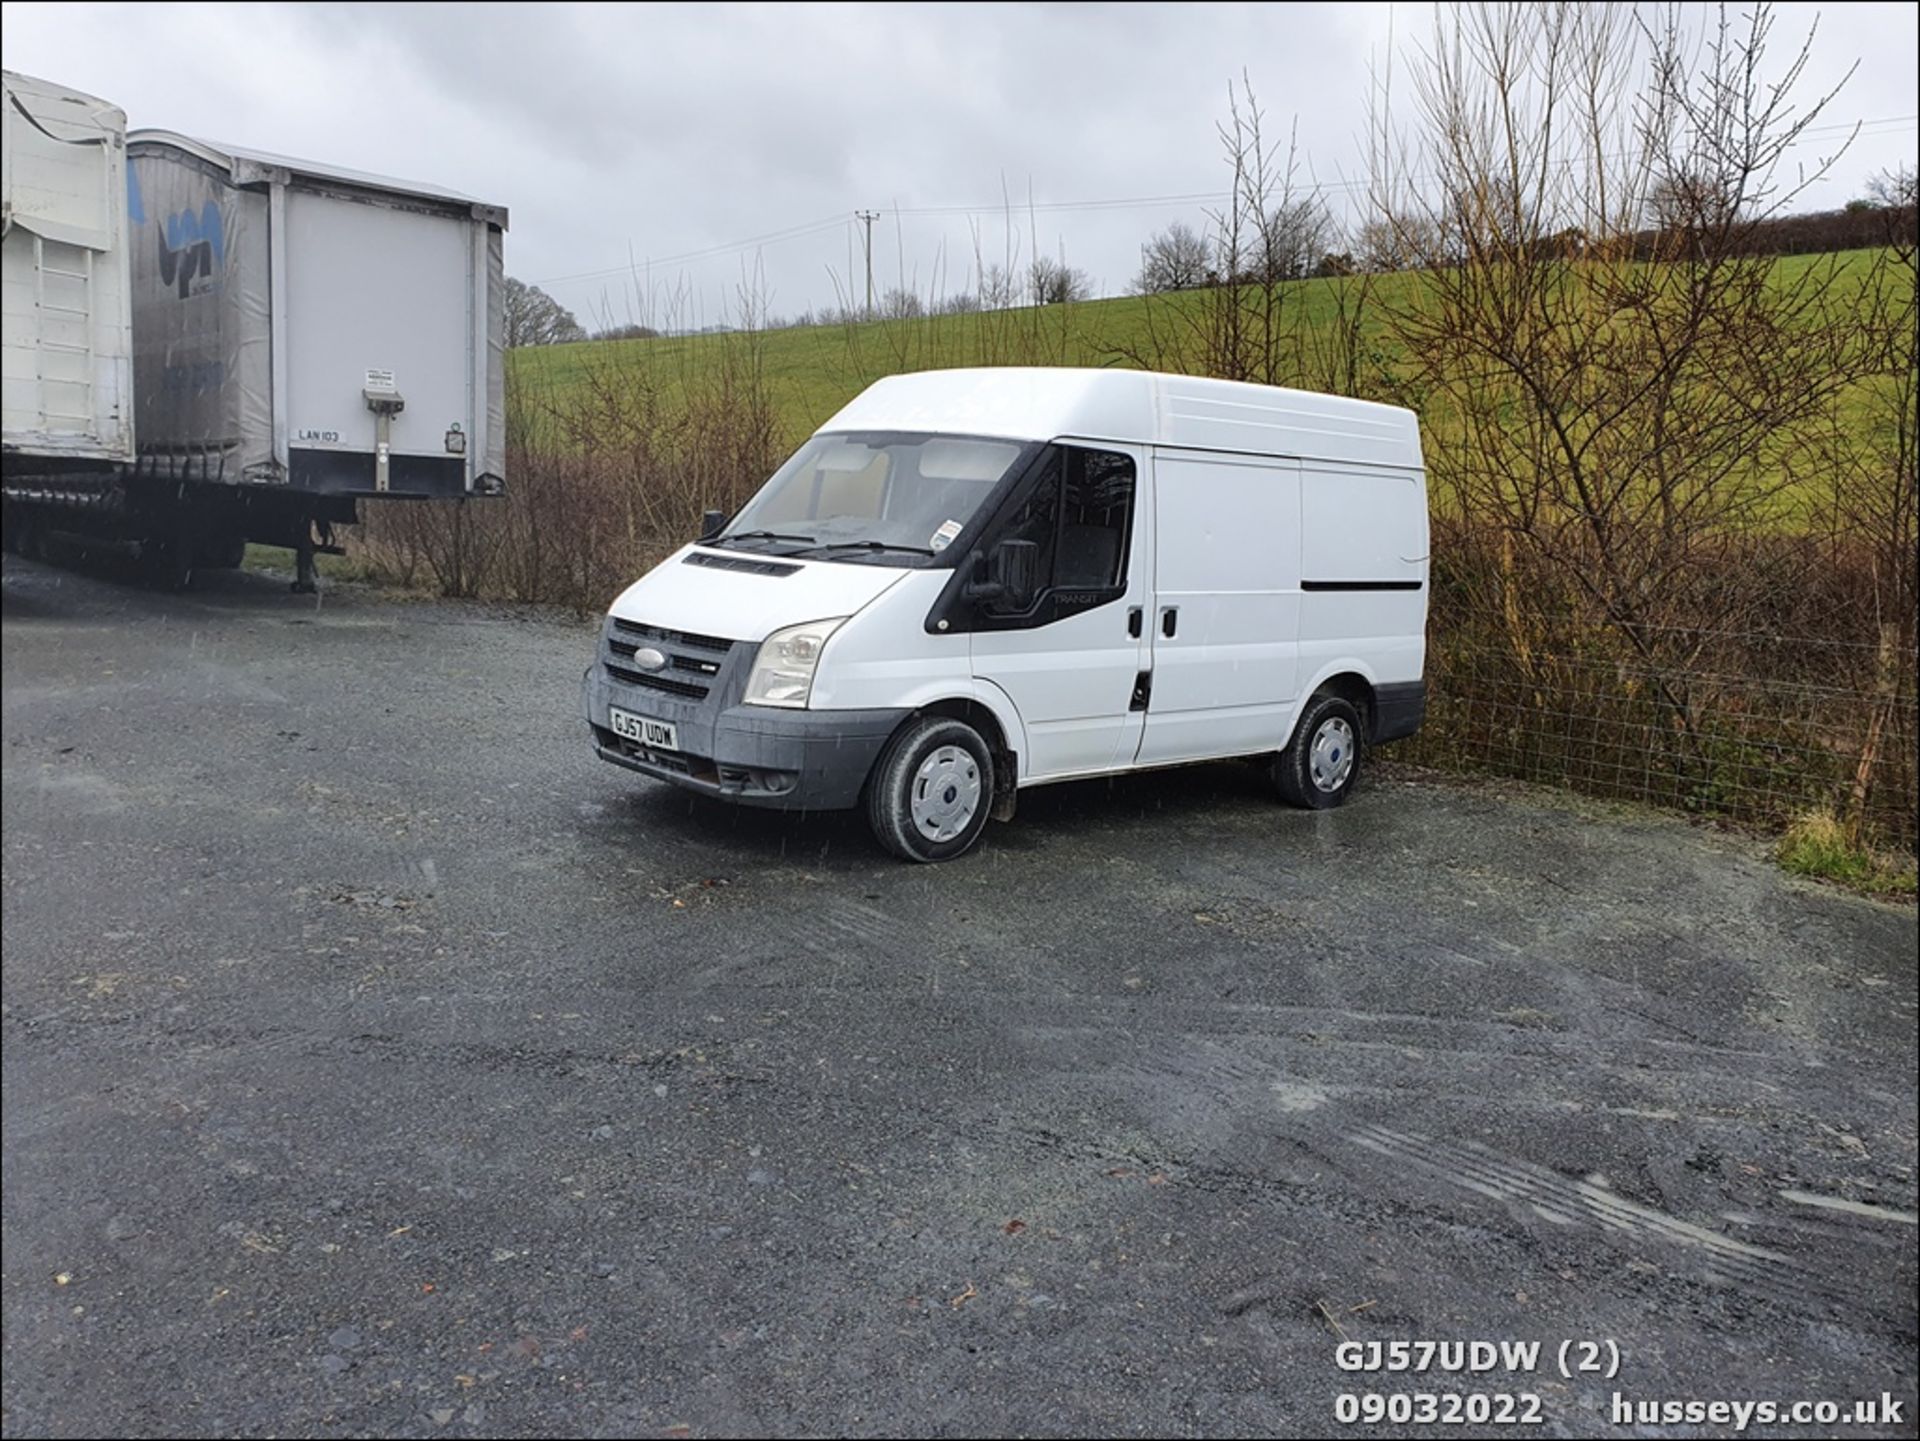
(1079, 518)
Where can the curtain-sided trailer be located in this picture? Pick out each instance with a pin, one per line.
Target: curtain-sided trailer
(304, 338)
(67, 335)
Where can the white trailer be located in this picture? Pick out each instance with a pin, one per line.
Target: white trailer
(303, 326)
(208, 345)
(68, 331)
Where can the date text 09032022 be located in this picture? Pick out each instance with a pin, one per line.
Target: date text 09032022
(1438, 1408)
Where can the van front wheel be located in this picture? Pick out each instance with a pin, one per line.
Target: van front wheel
(1318, 768)
(931, 790)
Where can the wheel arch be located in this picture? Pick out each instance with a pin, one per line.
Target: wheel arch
(1352, 680)
(982, 705)
(989, 710)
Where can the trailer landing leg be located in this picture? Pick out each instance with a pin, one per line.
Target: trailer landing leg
(305, 579)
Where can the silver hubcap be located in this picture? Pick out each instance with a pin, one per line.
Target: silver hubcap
(1331, 757)
(946, 793)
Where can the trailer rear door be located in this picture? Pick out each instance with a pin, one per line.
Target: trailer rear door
(379, 303)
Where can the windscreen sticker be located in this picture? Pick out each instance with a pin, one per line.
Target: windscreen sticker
(944, 537)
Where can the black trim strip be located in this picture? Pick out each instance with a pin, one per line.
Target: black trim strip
(1360, 585)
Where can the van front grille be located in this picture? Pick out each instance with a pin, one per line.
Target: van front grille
(694, 661)
(657, 682)
(654, 635)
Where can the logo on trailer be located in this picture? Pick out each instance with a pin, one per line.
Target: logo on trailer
(192, 245)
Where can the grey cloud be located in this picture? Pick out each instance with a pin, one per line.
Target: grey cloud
(659, 130)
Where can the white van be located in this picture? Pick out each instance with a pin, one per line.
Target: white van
(973, 581)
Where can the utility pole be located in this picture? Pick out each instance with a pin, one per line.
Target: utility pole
(867, 217)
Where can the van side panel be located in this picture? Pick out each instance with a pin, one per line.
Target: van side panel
(1361, 525)
(1227, 566)
(1363, 545)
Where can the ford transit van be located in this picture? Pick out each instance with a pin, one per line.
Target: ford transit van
(969, 582)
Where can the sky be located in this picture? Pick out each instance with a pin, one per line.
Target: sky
(656, 157)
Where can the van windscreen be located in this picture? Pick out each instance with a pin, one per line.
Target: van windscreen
(880, 497)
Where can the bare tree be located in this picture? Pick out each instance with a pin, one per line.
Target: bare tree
(1684, 202)
(900, 303)
(1627, 414)
(1401, 243)
(1874, 459)
(535, 318)
(1292, 237)
(1054, 282)
(1893, 189)
(633, 330)
(1248, 324)
(1178, 258)
(998, 289)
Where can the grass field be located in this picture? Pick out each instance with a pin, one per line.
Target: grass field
(810, 373)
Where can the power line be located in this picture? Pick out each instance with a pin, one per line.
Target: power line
(792, 232)
(1863, 127)
(1884, 125)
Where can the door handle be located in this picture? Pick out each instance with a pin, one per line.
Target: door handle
(1169, 621)
(1133, 621)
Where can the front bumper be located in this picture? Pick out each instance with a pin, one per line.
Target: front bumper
(816, 760)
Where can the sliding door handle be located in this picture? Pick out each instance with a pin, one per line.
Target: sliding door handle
(1169, 620)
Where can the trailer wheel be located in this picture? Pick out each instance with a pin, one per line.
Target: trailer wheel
(222, 552)
(28, 536)
(931, 790)
(1318, 768)
(166, 566)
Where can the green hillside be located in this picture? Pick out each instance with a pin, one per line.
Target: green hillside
(809, 373)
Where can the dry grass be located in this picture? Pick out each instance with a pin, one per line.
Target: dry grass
(1818, 845)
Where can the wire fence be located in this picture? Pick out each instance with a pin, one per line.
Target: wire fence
(1758, 727)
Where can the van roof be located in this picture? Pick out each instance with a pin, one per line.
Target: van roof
(1139, 407)
(245, 164)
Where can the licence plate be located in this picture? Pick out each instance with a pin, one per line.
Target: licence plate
(662, 735)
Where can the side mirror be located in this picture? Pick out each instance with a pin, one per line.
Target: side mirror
(712, 523)
(1013, 575)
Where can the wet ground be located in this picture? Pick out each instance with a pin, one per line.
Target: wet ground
(377, 1060)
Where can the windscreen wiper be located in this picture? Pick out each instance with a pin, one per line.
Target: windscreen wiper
(763, 535)
(874, 545)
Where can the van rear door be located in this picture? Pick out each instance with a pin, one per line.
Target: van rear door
(1226, 607)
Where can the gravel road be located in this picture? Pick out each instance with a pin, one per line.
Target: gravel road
(377, 1060)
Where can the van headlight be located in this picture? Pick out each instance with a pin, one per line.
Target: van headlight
(783, 671)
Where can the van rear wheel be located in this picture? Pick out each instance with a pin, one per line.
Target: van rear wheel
(931, 790)
(1318, 768)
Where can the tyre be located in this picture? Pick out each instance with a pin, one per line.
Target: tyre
(166, 566)
(1318, 768)
(221, 552)
(931, 790)
(32, 540)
